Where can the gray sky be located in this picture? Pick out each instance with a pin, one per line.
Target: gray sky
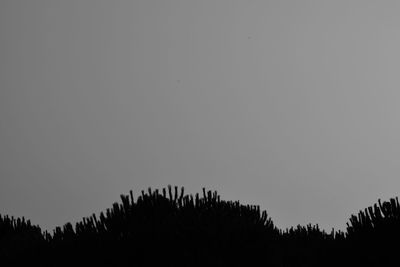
(293, 105)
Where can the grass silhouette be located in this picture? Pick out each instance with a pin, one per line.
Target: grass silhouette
(170, 228)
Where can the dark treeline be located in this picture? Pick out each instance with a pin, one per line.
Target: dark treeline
(169, 228)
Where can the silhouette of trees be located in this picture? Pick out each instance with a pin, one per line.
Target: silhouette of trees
(170, 228)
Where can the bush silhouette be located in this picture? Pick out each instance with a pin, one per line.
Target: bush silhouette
(170, 228)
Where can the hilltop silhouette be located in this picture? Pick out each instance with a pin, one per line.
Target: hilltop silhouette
(170, 228)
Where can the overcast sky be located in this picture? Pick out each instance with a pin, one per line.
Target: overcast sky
(292, 105)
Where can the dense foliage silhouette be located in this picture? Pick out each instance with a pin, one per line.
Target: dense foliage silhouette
(170, 228)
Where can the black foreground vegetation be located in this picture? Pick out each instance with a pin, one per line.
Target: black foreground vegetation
(169, 228)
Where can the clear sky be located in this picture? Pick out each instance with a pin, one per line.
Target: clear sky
(292, 105)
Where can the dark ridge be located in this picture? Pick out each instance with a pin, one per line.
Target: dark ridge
(170, 228)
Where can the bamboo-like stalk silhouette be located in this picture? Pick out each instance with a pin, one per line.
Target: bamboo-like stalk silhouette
(171, 228)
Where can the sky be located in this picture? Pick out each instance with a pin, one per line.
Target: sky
(291, 105)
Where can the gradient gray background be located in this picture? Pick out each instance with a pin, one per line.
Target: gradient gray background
(293, 105)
